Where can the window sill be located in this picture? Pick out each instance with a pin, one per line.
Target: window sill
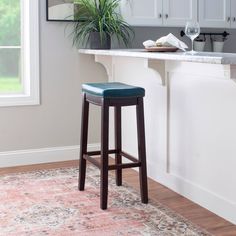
(18, 100)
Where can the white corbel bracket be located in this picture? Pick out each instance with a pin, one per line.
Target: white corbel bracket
(159, 67)
(106, 61)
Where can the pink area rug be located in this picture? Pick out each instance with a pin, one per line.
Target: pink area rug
(48, 203)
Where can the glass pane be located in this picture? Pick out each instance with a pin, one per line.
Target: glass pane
(10, 23)
(10, 71)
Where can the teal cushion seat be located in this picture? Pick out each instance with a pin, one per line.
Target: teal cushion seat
(113, 90)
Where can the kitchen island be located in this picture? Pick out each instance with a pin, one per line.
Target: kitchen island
(190, 119)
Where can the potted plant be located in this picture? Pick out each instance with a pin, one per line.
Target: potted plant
(97, 21)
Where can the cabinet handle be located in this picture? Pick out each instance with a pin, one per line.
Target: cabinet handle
(160, 15)
(234, 19)
(228, 19)
(167, 16)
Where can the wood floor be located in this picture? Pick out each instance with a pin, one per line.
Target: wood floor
(157, 192)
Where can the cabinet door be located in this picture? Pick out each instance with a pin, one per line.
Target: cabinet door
(214, 13)
(142, 12)
(233, 13)
(177, 13)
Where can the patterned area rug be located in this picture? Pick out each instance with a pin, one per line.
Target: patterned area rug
(48, 203)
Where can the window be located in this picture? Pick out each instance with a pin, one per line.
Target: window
(19, 52)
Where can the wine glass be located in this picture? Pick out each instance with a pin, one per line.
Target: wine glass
(192, 30)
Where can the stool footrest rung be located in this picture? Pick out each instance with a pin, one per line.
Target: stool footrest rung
(124, 166)
(128, 156)
(96, 153)
(95, 162)
(92, 160)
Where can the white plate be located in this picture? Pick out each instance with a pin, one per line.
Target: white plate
(162, 49)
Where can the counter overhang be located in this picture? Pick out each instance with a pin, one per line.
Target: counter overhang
(201, 57)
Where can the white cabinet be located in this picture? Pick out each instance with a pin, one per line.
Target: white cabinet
(221, 14)
(233, 13)
(142, 12)
(177, 12)
(159, 12)
(209, 13)
(214, 13)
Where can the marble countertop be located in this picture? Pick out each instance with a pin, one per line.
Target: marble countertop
(201, 57)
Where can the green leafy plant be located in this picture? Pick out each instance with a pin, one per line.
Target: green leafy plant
(100, 16)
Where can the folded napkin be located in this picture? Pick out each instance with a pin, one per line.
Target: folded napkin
(168, 41)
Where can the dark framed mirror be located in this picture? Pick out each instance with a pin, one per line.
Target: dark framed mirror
(61, 10)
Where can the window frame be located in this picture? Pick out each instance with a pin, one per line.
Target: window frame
(30, 58)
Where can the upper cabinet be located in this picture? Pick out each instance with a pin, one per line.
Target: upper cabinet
(159, 12)
(177, 12)
(209, 13)
(142, 12)
(233, 14)
(214, 13)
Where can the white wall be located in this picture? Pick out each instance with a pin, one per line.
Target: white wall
(56, 121)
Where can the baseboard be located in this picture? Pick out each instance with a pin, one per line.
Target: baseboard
(196, 193)
(42, 155)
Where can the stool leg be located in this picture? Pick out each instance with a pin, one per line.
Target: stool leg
(83, 142)
(118, 159)
(104, 154)
(142, 151)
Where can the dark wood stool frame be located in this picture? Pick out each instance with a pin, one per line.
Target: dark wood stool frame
(104, 166)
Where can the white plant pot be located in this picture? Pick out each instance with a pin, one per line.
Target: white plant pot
(199, 45)
(218, 46)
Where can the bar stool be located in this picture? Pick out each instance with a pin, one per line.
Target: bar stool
(114, 95)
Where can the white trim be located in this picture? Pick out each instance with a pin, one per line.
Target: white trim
(10, 47)
(30, 51)
(196, 193)
(42, 155)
